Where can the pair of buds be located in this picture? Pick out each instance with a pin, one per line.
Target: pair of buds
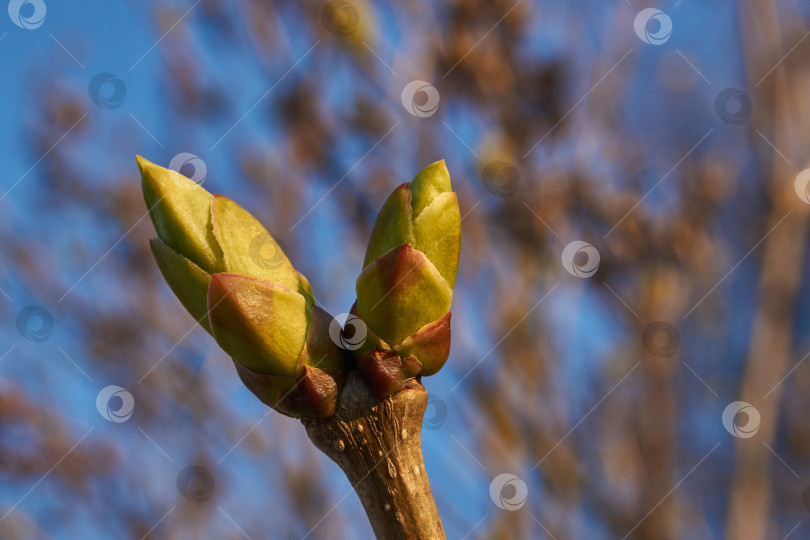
(262, 312)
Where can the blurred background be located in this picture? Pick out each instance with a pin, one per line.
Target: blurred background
(630, 326)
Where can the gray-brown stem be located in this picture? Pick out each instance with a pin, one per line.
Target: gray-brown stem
(378, 445)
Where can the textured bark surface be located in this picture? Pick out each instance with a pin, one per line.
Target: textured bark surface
(378, 445)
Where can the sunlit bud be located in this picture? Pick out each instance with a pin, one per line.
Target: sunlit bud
(405, 288)
(235, 280)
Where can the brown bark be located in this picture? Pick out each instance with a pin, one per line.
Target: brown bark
(782, 115)
(378, 445)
